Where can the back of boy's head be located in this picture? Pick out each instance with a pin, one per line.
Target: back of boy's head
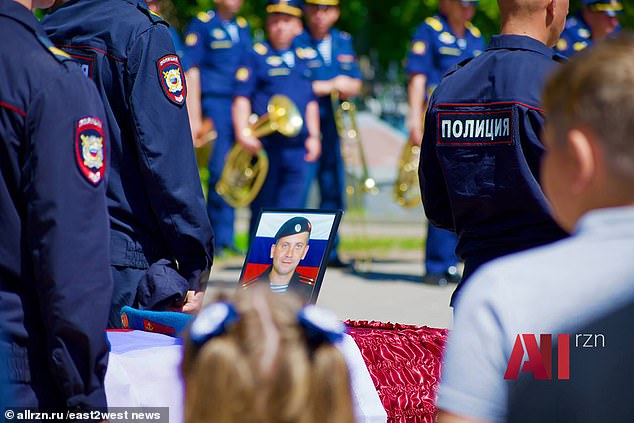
(263, 370)
(595, 91)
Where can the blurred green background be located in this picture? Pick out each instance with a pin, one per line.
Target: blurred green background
(381, 29)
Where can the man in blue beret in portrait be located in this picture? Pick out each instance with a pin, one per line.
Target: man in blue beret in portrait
(596, 20)
(290, 247)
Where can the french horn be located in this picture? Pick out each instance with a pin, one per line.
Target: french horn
(244, 173)
(406, 189)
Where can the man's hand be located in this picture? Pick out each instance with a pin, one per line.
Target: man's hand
(346, 86)
(250, 143)
(206, 133)
(313, 148)
(193, 302)
(415, 134)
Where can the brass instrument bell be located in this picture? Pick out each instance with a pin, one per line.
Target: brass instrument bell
(244, 173)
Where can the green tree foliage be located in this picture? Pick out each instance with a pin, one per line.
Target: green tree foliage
(381, 29)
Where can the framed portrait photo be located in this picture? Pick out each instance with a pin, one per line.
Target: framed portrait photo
(290, 250)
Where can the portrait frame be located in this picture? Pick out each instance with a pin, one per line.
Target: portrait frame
(311, 269)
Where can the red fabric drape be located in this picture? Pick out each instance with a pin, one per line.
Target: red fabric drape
(404, 363)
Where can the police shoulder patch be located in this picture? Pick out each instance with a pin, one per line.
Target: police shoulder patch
(434, 23)
(204, 17)
(90, 149)
(170, 73)
(345, 35)
(260, 49)
(242, 23)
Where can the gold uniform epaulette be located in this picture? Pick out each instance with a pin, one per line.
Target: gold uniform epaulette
(434, 23)
(260, 49)
(242, 23)
(154, 17)
(473, 29)
(204, 17)
(58, 54)
(307, 281)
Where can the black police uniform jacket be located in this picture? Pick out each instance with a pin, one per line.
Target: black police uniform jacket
(55, 279)
(155, 198)
(481, 151)
(299, 285)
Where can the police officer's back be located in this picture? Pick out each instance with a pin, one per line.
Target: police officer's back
(479, 169)
(55, 280)
(154, 195)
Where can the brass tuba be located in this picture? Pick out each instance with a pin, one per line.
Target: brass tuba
(243, 174)
(360, 181)
(406, 189)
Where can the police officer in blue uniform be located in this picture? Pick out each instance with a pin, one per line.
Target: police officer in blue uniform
(291, 247)
(275, 67)
(155, 201)
(479, 166)
(596, 20)
(215, 42)
(440, 42)
(55, 280)
(332, 60)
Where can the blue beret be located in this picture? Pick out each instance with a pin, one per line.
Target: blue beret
(609, 7)
(286, 7)
(294, 226)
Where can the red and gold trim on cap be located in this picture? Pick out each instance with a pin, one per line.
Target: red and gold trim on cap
(285, 9)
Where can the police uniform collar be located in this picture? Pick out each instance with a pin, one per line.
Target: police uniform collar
(519, 42)
(19, 13)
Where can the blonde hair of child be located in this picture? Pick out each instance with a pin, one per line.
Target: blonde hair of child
(263, 371)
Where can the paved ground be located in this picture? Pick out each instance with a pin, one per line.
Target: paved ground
(388, 287)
